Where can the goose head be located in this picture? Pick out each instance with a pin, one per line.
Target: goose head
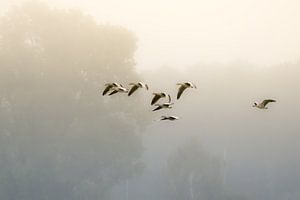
(255, 104)
(189, 84)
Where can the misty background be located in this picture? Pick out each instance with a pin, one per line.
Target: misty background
(181, 33)
(60, 139)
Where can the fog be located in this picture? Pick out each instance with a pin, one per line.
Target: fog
(182, 33)
(61, 139)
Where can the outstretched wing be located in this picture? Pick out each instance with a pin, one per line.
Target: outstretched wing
(174, 117)
(133, 89)
(113, 92)
(108, 87)
(155, 99)
(180, 91)
(266, 101)
(157, 108)
(169, 96)
(147, 87)
(163, 118)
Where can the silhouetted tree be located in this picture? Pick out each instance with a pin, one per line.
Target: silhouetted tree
(59, 139)
(194, 174)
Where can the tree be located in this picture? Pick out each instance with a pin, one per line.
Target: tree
(59, 138)
(193, 174)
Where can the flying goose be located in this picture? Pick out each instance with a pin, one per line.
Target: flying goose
(119, 89)
(170, 118)
(184, 86)
(158, 96)
(263, 104)
(136, 86)
(109, 86)
(161, 106)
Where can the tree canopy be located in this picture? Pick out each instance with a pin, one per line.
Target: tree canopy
(193, 173)
(59, 138)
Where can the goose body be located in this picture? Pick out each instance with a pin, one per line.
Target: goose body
(110, 86)
(158, 96)
(183, 87)
(263, 104)
(118, 89)
(163, 106)
(136, 86)
(170, 118)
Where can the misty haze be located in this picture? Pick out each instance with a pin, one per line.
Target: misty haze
(64, 137)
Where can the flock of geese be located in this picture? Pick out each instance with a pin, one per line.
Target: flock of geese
(114, 88)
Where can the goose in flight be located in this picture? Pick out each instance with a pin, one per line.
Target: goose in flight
(136, 86)
(158, 96)
(170, 118)
(119, 89)
(110, 86)
(161, 106)
(263, 104)
(183, 86)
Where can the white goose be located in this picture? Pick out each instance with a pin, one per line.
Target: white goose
(158, 96)
(136, 86)
(119, 89)
(170, 118)
(163, 106)
(263, 104)
(109, 86)
(184, 86)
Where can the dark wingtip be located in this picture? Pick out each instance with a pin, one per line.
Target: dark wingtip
(112, 93)
(152, 102)
(157, 108)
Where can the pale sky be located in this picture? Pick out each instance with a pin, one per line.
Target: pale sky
(185, 32)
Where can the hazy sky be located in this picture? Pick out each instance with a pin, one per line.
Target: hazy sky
(181, 33)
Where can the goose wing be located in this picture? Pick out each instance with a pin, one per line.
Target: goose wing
(167, 104)
(157, 108)
(266, 101)
(174, 117)
(171, 118)
(108, 87)
(155, 99)
(133, 89)
(163, 118)
(180, 91)
(169, 97)
(113, 92)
